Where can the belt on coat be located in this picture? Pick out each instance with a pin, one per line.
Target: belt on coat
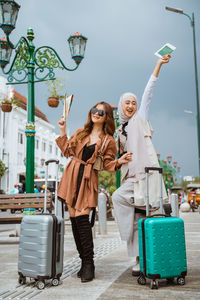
(87, 169)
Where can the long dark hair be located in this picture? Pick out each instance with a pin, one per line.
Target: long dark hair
(108, 126)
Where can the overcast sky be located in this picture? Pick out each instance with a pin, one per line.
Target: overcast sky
(122, 38)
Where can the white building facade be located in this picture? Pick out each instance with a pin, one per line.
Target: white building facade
(13, 145)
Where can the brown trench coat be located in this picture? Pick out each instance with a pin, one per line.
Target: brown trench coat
(88, 193)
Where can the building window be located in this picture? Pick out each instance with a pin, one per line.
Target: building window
(42, 160)
(20, 138)
(37, 144)
(36, 162)
(19, 159)
(50, 148)
(43, 146)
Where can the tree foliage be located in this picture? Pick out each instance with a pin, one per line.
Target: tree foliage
(107, 179)
(112, 189)
(2, 168)
(196, 179)
(168, 174)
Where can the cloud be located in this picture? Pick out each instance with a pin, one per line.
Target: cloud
(122, 38)
(178, 137)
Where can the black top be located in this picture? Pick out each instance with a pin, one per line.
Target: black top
(87, 153)
(125, 134)
(123, 129)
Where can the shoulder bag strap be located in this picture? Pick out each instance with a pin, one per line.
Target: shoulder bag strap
(105, 139)
(119, 153)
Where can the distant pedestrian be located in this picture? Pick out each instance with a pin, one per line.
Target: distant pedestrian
(15, 190)
(20, 188)
(36, 189)
(134, 135)
(43, 189)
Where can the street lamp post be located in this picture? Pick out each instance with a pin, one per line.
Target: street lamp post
(31, 65)
(192, 22)
(116, 117)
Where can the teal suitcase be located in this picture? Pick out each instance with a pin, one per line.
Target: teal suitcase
(162, 251)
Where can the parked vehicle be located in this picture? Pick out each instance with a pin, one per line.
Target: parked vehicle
(193, 195)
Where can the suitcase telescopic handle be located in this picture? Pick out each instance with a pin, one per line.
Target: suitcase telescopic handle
(147, 169)
(47, 162)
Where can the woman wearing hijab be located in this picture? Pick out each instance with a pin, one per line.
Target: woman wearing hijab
(134, 135)
(79, 183)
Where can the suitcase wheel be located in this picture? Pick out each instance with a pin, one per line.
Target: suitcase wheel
(141, 280)
(22, 279)
(180, 280)
(55, 282)
(40, 284)
(154, 284)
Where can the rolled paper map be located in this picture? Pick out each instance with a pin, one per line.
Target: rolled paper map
(67, 105)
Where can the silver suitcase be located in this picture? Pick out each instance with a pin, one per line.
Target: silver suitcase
(41, 243)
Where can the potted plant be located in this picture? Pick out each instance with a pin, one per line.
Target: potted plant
(7, 103)
(55, 88)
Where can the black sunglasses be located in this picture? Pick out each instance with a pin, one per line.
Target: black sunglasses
(100, 112)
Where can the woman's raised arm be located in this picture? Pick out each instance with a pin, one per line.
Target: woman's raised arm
(164, 60)
(147, 95)
(62, 126)
(63, 141)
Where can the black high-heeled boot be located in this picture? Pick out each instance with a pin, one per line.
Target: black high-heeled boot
(77, 241)
(85, 233)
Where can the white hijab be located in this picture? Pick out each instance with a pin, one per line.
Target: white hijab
(123, 97)
(135, 140)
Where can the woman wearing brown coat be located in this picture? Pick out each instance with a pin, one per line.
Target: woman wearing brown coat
(79, 183)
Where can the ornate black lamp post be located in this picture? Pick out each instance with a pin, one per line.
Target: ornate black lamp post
(31, 65)
(116, 117)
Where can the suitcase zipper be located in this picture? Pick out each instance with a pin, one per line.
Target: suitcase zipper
(144, 248)
(53, 264)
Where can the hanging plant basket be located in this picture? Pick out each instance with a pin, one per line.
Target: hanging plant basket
(53, 101)
(6, 107)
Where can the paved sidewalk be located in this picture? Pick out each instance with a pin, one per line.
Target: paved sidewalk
(126, 287)
(113, 270)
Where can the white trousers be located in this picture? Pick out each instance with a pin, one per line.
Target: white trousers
(125, 216)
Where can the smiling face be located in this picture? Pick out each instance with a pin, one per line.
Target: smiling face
(96, 116)
(129, 106)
